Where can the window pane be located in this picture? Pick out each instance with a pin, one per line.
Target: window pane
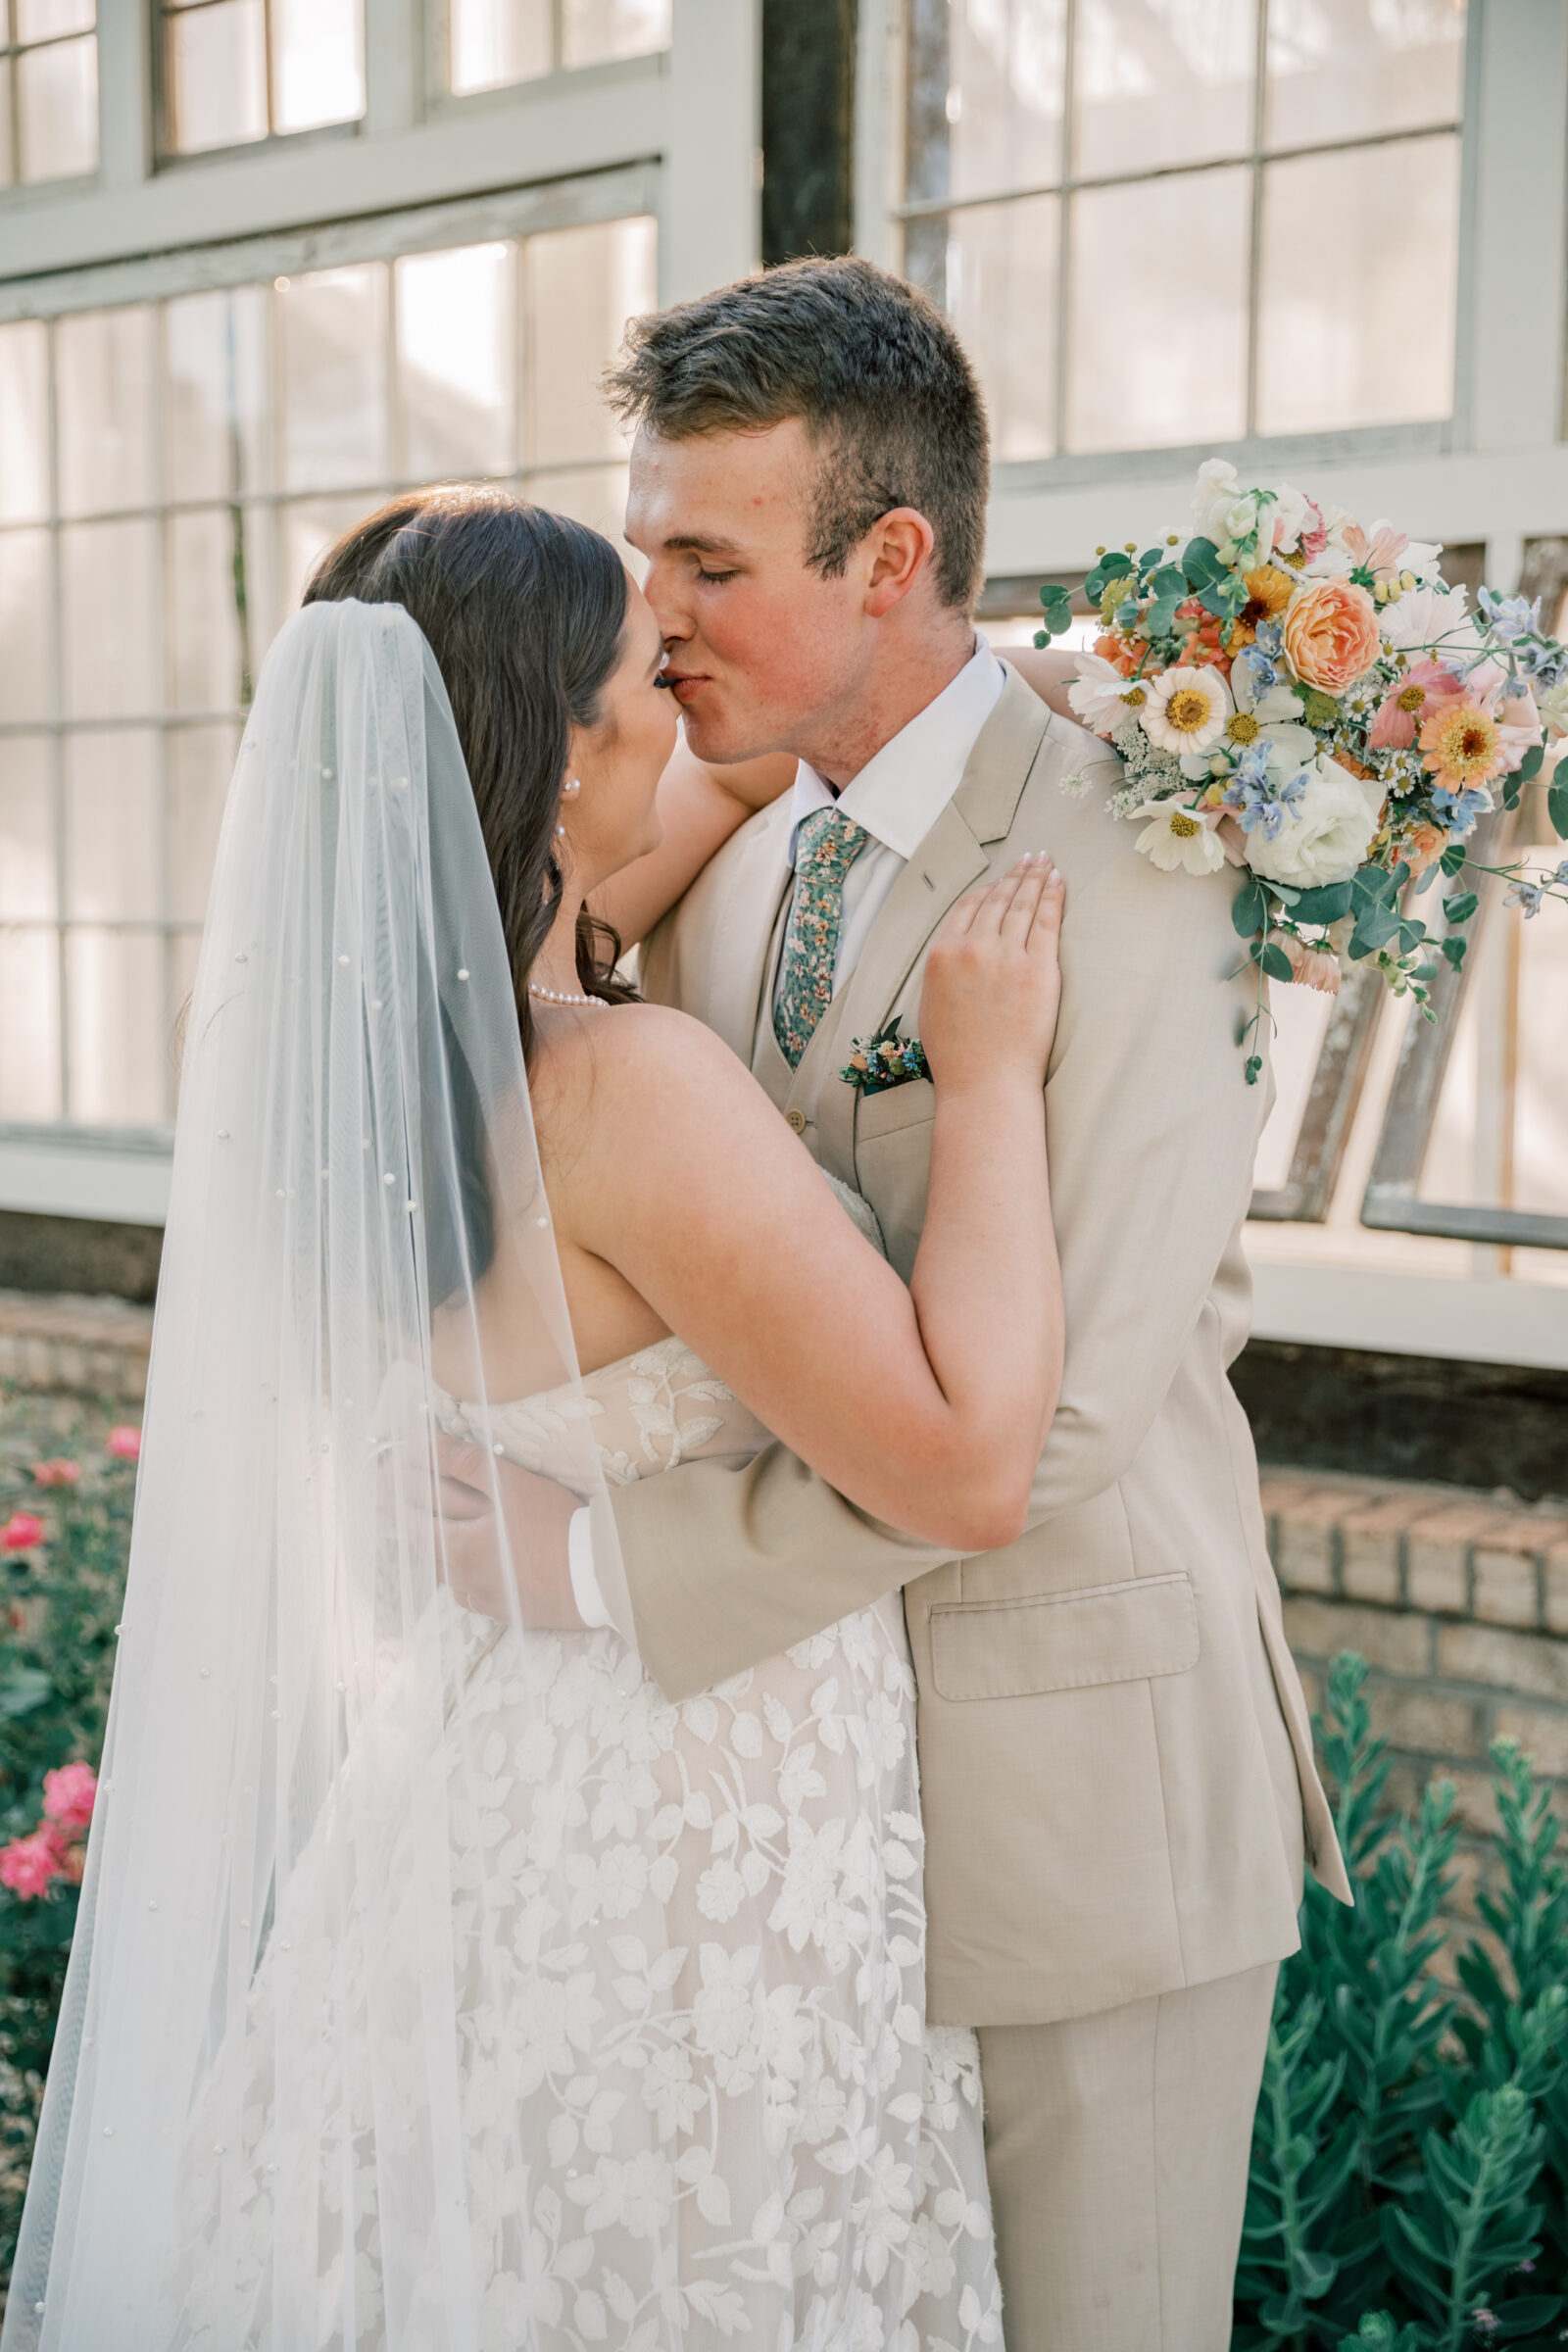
(23, 421)
(993, 269)
(317, 63)
(456, 346)
(27, 639)
(591, 494)
(109, 574)
(306, 531)
(498, 41)
(1161, 81)
(199, 761)
(592, 30)
(103, 361)
(29, 1034)
(583, 285)
(1339, 66)
(216, 62)
(985, 95)
(57, 110)
(1166, 362)
(1326, 356)
(27, 831)
(114, 830)
(206, 648)
(333, 329)
(119, 1023)
(1541, 1100)
(215, 408)
(46, 20)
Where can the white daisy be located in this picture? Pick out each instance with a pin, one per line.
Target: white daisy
(1178, 837)
(1100, 695)
(1187, 711)
(1272, 716)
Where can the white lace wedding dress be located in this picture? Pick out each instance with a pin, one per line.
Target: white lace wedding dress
(713, 2053)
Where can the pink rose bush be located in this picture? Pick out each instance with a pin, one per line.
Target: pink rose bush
(61, 1471)
(1306, 698)
(21, 1532)
(29, 1866)
(125, 1442)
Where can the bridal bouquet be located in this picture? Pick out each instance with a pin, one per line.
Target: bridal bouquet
(1310, 702)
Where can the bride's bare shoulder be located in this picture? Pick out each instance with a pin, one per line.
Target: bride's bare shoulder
(638, 1074)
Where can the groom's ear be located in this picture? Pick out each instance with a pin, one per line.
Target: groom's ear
(897, 553)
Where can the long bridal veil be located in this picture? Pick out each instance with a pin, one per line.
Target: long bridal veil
(254, 2131)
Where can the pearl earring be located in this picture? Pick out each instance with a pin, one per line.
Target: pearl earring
(572, 785)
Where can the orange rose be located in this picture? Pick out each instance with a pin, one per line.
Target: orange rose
(1331, 635)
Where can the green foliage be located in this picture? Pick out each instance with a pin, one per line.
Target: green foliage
(59, 1602)
(1410, 2151)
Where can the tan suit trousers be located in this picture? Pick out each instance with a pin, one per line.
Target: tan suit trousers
(1116, 2148)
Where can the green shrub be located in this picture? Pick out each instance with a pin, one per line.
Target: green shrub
(60, 1598)
(1410, 2153)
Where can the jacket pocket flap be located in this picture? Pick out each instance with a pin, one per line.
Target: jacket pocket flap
(1119, 1632)
(910, 1103)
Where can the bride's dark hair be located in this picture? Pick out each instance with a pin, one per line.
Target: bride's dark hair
(524, 612)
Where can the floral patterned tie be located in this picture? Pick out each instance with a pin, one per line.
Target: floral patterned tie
(827, 846)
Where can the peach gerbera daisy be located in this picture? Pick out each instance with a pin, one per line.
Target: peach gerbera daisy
(1462, 744)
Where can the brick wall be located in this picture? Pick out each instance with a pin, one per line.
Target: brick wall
(75, 1346)
(1459, 1604)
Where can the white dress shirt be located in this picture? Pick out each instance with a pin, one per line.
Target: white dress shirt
(897, 797)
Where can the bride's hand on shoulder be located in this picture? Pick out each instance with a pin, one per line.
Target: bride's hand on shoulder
(993, 980)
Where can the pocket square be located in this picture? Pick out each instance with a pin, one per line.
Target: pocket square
(886, 1059)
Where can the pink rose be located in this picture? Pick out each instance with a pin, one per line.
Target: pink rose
(125, 1442)
(21, 1532)
(69, 1794)
(1331, 635)
(28, 1864)
(60, 1471)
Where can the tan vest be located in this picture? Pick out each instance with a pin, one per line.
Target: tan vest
(1116, 1760)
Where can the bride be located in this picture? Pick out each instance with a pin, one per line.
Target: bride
(438, 1985)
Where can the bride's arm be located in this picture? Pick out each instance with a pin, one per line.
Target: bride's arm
(699, 808)
(927, 1406)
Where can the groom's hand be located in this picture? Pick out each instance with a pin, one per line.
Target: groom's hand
(535, 1582)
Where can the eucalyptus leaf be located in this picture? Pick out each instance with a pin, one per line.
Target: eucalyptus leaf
(1531, 764)
(1276, 963)
(1324, 904)
(1557, 809)
(1250, 909)
(1461, 906)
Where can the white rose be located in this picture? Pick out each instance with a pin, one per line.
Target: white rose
(1327, 838)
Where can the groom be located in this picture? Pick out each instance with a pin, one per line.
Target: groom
(1116, 1757)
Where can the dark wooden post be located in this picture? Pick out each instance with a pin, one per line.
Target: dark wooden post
(808, 127)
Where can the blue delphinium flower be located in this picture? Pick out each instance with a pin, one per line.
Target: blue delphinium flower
(1260, 801)
(1262, 656)
(1509, 617)
(1527, 894)
(1459, 810)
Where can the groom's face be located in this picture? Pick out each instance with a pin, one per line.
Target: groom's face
(759, 644)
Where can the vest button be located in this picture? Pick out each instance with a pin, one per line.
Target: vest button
(797, 1119)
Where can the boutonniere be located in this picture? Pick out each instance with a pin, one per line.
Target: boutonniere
(886, 1059)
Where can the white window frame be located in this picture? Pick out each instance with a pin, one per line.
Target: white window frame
(1495, 473)
(674, 135)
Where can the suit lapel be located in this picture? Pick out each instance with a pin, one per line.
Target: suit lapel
(738, 967)
(946, 862)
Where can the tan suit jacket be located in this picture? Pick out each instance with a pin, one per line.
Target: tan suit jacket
(1110, 1802)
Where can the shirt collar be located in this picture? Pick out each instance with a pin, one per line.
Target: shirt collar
(901, 792)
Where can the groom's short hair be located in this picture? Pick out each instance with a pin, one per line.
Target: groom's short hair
(871, 367)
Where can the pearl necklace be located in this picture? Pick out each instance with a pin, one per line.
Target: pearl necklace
(561, 995)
